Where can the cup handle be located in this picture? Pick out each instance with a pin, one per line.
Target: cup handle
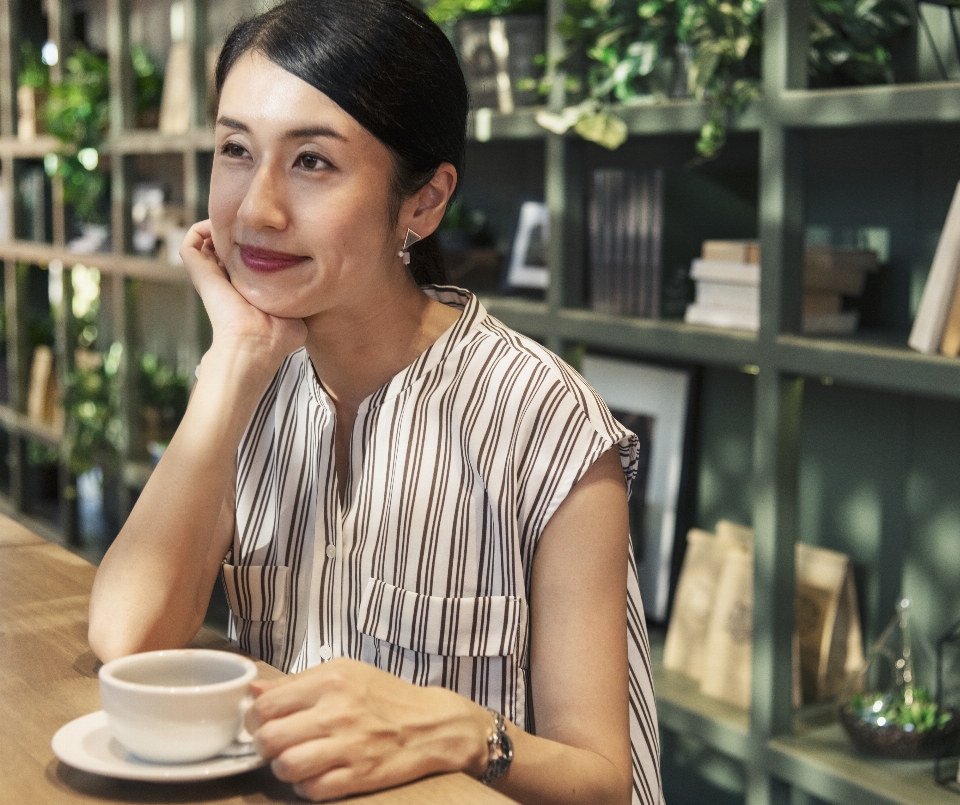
(244, 737)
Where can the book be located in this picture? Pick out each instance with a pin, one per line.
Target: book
(725, 271)
(727, 295)
(950, 343)
(938, 293)
(731, 251)
(625, 224)
(722, 317)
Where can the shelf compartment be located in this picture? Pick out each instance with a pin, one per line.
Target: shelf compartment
(876, 361)
(666, 339)
(18, 423)
(108, 263)
(822, 762)
(933, 102)
(148, 141)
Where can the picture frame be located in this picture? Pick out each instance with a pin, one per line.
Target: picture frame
(528, 265)
(651, 401)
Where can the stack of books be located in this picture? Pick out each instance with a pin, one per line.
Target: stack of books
(937, 323)
(626, 234)
(727, 276)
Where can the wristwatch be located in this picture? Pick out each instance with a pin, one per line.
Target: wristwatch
(501, 751)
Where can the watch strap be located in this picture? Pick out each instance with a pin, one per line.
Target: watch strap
(500, 749)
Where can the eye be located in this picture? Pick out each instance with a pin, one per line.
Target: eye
(234, 150)
(312, 162)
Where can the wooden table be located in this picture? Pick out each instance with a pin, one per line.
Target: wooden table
(48, 677)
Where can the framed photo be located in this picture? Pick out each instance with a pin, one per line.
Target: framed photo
(528, 258)
(652, 402)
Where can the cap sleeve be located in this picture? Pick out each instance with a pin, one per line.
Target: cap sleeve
(568, 428)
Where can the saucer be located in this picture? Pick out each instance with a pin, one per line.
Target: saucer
(86, 743)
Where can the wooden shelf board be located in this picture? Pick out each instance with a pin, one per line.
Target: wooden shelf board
(147, 141)
(664, 338)
(929, 102)
(18, 423)
(124, 264)
(519, 125)
(823, 762)
(37, 148)
(682, 708)
(684, 116)
(877, 360)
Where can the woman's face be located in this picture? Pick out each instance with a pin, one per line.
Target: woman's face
(299, 196)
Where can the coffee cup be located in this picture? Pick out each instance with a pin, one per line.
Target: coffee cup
(179, 705)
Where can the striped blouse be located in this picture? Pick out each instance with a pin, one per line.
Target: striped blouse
(424, 568)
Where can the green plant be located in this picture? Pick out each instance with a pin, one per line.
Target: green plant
(148, 85)
(912, 710)
(447, 11)
(94, 428)
(849, 40)
(77, 112)
(725, 69)
(164, 393)
(623, 41)
(33, 72)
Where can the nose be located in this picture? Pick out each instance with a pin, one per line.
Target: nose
(264, 206)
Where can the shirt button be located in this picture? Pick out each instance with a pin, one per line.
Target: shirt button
(331, 551)
(326, 652)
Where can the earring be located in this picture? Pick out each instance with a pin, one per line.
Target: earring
(411, 238)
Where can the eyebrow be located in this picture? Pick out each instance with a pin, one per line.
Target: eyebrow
(293, 134)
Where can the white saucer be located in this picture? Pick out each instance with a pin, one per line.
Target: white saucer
(85, 743)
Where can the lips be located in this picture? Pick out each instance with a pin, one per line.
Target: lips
(266, 261)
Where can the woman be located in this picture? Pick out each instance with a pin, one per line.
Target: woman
(418, 513)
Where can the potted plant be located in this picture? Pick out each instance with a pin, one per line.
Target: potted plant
(711, 49)
(501, 45)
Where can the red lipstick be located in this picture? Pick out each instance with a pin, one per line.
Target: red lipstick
(266, 261)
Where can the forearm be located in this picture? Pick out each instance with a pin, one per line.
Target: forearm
(542, 771)
(153, 585)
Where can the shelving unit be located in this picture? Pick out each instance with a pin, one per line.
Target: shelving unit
(786, 756)
(124, 275)
(782, 753)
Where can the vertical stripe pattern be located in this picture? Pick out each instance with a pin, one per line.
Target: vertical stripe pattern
(424, 568)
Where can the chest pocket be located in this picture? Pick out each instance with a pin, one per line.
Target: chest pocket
(463, 627)
(258, 598)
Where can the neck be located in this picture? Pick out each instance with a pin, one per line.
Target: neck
(356, 351)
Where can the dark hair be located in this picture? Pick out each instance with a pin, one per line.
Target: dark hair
(387, 65)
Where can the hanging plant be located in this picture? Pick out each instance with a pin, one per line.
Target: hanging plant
(850, 40)
(78, 113)
(725, 40)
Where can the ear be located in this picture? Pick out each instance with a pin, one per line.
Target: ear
(424, 210)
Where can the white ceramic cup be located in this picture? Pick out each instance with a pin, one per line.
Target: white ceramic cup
(176, 706)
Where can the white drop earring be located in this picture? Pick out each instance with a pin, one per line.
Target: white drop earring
(411, 238)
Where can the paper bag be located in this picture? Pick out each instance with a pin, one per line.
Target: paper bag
(693, 603)
(730, 631)
(827, 621)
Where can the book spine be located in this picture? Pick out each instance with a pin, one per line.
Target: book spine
(655, 244)
(950, 345)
